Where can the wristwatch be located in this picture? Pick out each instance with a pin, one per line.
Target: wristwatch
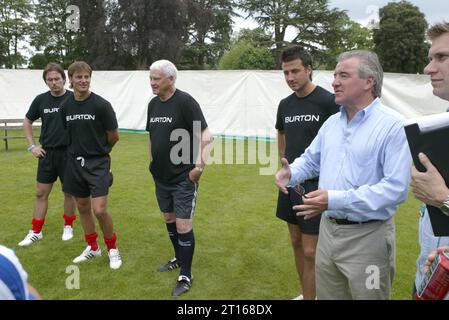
(445, 206)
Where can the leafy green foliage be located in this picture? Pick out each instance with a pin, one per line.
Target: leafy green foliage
(348, 35)
(13, 28)
(195, 34)
(400, 39)
(244, 55)
(257, 37)
(210, 28)
(314, 23)
(39, 61)
(50, 35)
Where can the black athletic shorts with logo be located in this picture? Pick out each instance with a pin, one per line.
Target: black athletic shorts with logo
(88, 176)
(179, 197)
(52, 165)
(285, 211)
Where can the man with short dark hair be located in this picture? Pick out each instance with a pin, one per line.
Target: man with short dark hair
(299, 117)
(51, 154)
(93, 131)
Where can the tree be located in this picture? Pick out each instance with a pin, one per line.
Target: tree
(250, 49)
(243, 56)
(313, 20)
(149, 29)
(51, 35)
(13, 29)
(258, 37)
(210, 27)
(348, 35)
(98, 39)
(3, 50)
(40, 60)
(400, 39)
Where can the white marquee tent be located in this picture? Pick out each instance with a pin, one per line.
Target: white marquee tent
(235, 103)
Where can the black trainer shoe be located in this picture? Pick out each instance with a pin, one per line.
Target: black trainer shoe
(170, 265)
(182, 286)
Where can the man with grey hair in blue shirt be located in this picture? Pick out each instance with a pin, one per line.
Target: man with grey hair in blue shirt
(363, 162)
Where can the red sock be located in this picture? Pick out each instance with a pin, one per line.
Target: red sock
(91, 240)
(69, 219)
(110, 243)
(37, 225)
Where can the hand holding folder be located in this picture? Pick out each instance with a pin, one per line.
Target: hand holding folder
(430, 135)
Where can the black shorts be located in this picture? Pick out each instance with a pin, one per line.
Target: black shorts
(285, 211)
(88, 176)
(179, 198)
(52, 165)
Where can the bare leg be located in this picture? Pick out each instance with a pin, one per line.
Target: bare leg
(100, 205)
(183, 225)
(304, 248)
(308, 280)
(86, 217)
(169, 217)
(42, 192)
(69, 204)
(298, 252)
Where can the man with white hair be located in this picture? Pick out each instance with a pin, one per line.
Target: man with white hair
(178, 134)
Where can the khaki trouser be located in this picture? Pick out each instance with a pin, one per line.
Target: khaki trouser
(355, 261)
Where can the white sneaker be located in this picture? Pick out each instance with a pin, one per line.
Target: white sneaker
(300, 297)
(87, 254)
(30, 238)
(67, 233)
(115, 260)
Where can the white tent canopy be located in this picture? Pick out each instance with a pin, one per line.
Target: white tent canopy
(235, 103)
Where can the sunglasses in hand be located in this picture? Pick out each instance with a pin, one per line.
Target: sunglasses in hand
(299, 189)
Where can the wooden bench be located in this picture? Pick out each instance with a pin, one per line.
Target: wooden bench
(13, 129)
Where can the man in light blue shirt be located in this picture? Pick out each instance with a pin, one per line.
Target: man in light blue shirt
(362, 158)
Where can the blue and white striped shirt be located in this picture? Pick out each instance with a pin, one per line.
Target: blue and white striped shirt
(13, 278)
(364, 164)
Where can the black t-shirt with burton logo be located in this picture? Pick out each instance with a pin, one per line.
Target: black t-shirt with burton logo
(172, 125)
(87, 122)
(301, 118)
(47, 107)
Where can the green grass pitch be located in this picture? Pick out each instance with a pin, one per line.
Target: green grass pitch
(242, 250)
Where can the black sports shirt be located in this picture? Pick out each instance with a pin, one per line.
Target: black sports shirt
(87, 122)
(171, 125)
(47, 107)
(299, 119)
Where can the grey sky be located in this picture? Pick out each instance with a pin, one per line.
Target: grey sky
(362, 10)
